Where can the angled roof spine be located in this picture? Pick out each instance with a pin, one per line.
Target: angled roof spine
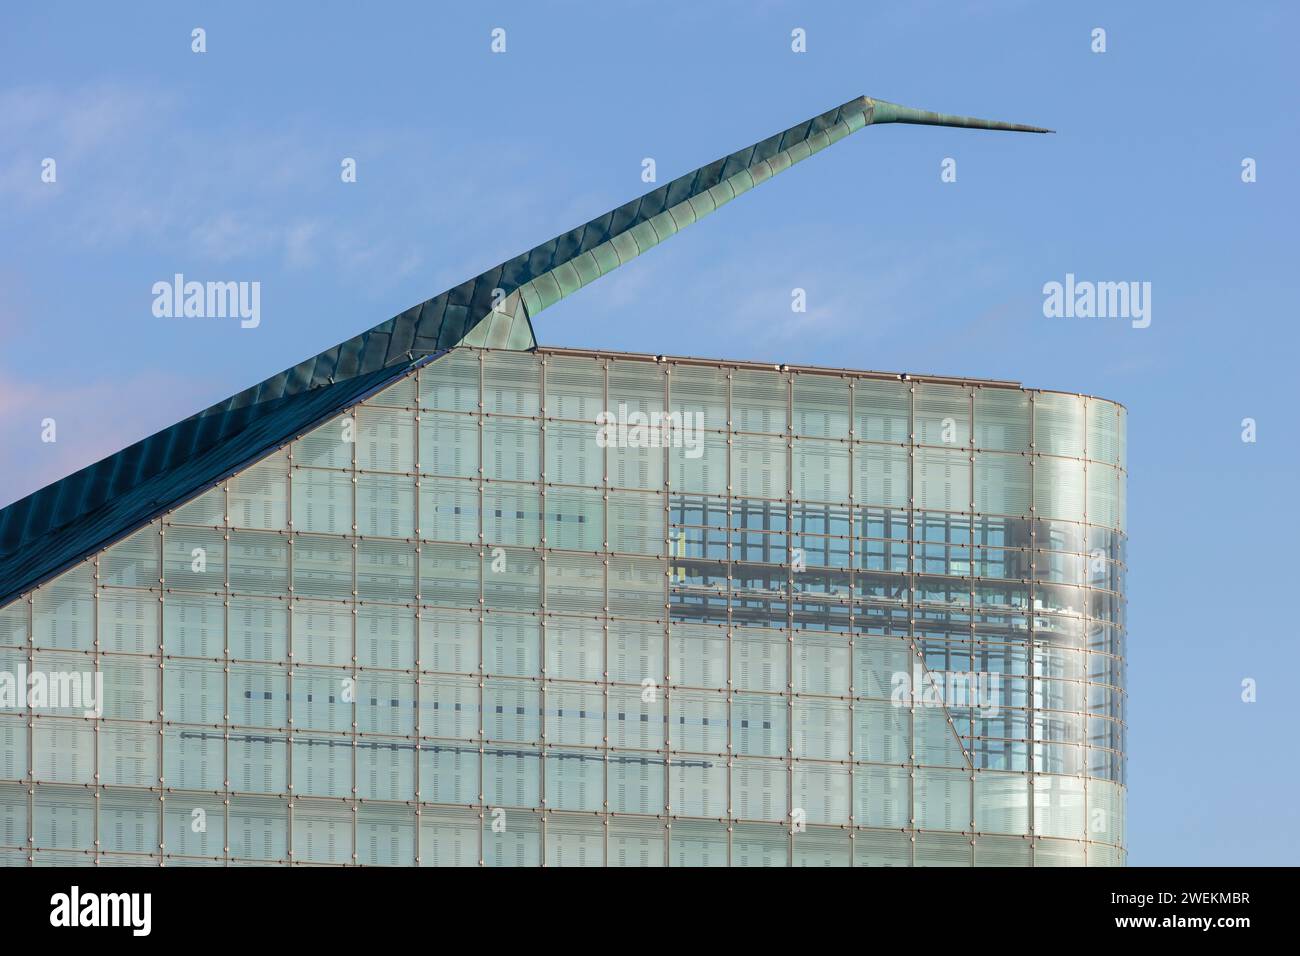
(52, 528)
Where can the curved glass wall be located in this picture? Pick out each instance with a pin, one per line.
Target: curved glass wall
(596, 609)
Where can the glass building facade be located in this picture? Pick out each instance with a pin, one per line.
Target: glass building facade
(544, 606)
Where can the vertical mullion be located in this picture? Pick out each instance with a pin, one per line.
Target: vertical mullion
(418, 378)
(225, 646)
(667, 613)
(1087, 651)
(540, 423)
(787, 560)
(31, 734)
(478, 614)
(358, 414)
(962, 739)
(160, 775)
(605, 623)
(911, 614)
(289, 653)
(1032, 588)
(731, 689)
(94, 630)
(854, 690)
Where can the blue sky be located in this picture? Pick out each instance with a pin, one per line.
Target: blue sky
(225, 165)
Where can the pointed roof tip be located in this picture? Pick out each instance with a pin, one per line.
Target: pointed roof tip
(882, 111)
(65, 521)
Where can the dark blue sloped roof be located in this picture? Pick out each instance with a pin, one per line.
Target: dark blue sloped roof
(52, 528)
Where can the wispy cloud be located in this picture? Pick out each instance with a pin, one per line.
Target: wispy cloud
(135, 174)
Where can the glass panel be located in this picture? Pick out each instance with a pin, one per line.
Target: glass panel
(63, 611)
(449, 641)
(759, 401)
(385, 571)
(575, 780)
(1058, 424)
(386, 505)
(758, 725)
(822, 793)
(259, 629)
(821, 406)
(512, 579)
(942, 415)
(259, 494)
(322, 633)
(638, 385)
(575, 387)
(511, 449)
(575, 519)
(941, 799)
(635, 719)
(874, 848)
(385, 636)
(573, 456)
(636, 523)
(760, 791)
(1105, 495)
(451, 382)
(449, 445)
(129, 621)
(1058, 488)
(1001, 802)
(943, 480)
(322, 567)
(511, 514)
(882, 411)
(259, 562)
(194, 625)
(699, 391)
(699, 788)
(1002, 483)
(207, 510)
(386, 704)
(511, 382)
(449, 575)
(820, 470)
(329, 446)
(758, 466)
(1059, 807)
(575, 649)
(821, 730)
(512, 645)
(700, 468)
(1002, 419)
(322, 500)
(881, 475)
(1107, 432)
(449, 773)
(132, 562)
(194, 558)
(401, 394)
(642, 465)
(15, 630)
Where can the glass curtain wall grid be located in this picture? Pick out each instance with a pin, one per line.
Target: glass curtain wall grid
(453, 626)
